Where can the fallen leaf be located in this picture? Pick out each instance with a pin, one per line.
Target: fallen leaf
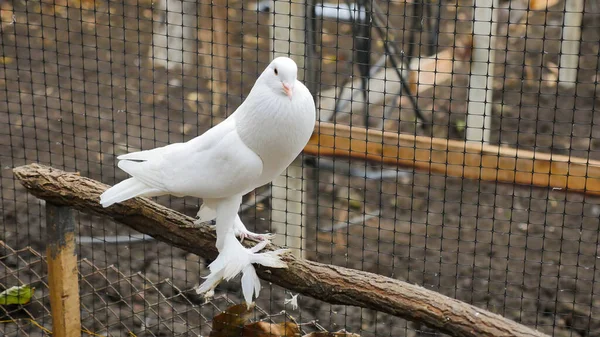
(185, 128)
(16, 295)
(250, 40)
(266, 329)
(460, 125)
(538, 5)
(329, 59)
(84, 4)
(230, 323)
(193, 96)
(7, 16)
(5, 60)
(355, 204)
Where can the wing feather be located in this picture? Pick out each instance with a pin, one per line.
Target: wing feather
(149, 154)
(215, 165)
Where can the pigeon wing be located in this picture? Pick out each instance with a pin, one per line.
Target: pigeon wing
(217, 166)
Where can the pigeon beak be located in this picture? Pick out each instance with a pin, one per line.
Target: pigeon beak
(288, 89)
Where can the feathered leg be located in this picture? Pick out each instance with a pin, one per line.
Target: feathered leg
(226, 212)
(234, 258)
(208, 212)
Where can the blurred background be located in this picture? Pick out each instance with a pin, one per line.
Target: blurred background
(83, 81)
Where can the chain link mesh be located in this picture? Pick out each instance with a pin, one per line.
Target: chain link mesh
(83, 81)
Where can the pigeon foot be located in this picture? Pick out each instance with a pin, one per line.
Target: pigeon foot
(235, 259)
(243, 233)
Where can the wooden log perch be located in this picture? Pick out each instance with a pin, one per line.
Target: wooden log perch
(333, 284)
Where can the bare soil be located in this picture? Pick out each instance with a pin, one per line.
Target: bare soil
(77, 88)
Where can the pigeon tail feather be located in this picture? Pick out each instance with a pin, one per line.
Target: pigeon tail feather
(125, 190)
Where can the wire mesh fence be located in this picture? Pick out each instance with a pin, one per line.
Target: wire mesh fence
(115, 304)
(83, 81)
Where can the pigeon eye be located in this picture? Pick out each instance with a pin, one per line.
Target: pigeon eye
(276, 72)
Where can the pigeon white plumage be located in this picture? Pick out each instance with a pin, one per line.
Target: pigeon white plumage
(247, 150)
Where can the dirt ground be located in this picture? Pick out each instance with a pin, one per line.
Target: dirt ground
(77, 88)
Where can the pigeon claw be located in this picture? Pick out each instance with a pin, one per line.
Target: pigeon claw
(199, 223)
(242, 233)
(254, 236)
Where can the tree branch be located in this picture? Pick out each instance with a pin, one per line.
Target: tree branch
(329, 283)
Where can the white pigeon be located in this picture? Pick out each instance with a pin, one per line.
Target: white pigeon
(247, 150)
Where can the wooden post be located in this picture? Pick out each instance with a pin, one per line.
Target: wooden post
(479, 112)
(288, 210)
(569, 52)
(63, 278)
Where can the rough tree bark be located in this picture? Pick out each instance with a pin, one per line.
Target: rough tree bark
(333, 284)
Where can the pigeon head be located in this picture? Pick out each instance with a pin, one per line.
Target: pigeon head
(281, 75)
